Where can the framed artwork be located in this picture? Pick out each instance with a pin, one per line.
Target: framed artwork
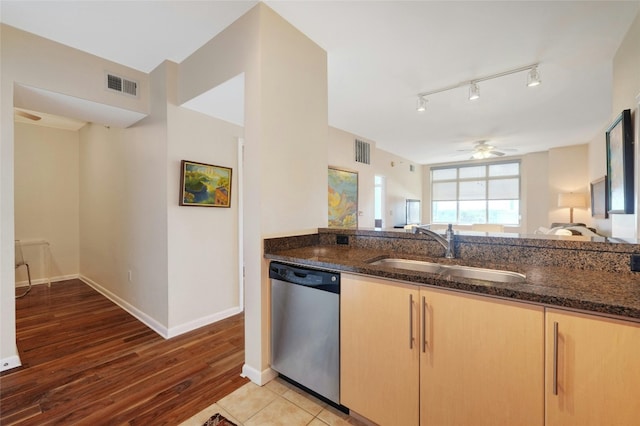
(599, 198)
(343, 198)
(204, 185)
(620, 164)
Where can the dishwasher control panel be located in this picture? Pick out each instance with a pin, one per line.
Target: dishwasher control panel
(323, 280)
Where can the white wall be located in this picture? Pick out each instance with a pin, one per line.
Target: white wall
(47, 201)
(236, 50)
(401, 183)
(341, 155)
(535, 192)
(123, 223)
(183, 260)
(626, 70)
(35, 61)
(292, 149)
(285, 158)
(123, 218)
(203, 242)
(568, 172)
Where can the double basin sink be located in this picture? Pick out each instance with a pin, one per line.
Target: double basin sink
(453, 271)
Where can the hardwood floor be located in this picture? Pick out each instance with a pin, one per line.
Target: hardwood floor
(88, 362)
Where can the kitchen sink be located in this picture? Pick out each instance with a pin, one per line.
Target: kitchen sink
(485, 274)
(413, 265)
(496, 275)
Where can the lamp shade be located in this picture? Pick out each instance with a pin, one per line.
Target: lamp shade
(571, 199)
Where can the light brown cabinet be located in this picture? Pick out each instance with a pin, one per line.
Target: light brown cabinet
(415, 356)
(379, 372)
(482, 361)
(592, 370)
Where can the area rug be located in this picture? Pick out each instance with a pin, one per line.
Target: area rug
(218, 420)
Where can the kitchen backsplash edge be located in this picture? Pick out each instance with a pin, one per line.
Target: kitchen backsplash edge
(563, 252)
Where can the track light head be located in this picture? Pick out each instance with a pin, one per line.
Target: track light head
(474, 91)
(533, 78)
(421, 104)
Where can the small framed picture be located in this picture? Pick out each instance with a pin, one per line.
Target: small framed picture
(204, 185)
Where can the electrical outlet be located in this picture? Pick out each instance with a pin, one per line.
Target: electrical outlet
(342, 239)
(635, 262)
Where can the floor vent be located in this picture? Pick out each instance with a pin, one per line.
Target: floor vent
(122, 85)
(363, 152)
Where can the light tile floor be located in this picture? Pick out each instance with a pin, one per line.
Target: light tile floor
(274, 404)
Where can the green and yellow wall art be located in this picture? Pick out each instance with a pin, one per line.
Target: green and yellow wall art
(343, 198)
(205, 185)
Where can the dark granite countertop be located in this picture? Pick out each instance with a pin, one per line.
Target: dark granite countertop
(606, 293)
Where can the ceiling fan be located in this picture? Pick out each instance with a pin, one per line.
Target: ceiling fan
(481, 150)
(27, 115)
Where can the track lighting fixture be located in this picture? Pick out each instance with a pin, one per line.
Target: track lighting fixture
(422, 104)
(474, 91)
(533, 79)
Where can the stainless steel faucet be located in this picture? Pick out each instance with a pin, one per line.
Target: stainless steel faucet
(447, 241)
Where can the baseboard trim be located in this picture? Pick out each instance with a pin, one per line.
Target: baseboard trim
(258, 377)
(10, 362)
(47, 280)
(141, 316)
(166, 333)
(201, 322)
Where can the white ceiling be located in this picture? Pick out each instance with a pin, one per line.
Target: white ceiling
(382, 53)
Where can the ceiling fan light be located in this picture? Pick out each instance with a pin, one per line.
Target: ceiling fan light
(481, 155)
(474, 91)
(421, 105)
(533, 78)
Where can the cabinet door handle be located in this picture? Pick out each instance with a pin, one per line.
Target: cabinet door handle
(424, 324)
(555, 358)
(411, 321)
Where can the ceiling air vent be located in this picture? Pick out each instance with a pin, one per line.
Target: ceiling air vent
(363, 152)
(122, 85)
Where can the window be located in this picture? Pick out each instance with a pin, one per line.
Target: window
(477, 193)
(378, 200)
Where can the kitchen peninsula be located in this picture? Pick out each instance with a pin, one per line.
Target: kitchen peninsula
(591, 274)
(420, 348)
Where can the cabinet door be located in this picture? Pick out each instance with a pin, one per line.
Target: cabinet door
(482, 361)
(379, 350)
(592, 370)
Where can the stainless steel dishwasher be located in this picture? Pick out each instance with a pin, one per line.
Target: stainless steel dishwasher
(305, 328)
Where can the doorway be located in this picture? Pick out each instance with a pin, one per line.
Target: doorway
(378, 200)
